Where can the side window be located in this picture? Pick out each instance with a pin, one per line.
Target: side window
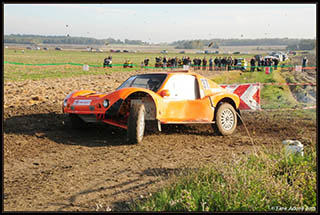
(183, 87)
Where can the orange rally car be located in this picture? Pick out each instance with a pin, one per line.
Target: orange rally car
(165, 97)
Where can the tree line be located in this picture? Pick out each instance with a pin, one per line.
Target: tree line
(38, 39)
(292, 44)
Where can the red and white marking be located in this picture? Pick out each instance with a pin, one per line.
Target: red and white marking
(249, 95)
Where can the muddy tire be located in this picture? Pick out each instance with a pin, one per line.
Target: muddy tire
(225, 119)
(76, 122)
(136, 124)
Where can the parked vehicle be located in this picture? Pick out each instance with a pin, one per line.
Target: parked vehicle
(242, 64)
(158, 98)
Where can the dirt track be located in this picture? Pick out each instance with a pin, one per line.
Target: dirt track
(50, 167)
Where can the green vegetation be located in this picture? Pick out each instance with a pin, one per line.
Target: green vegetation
(267, 181)
(194, 44)
(271, 96)
(39, 39)
(244, 42)
(67, 39)
(19, 72)
(303, 45)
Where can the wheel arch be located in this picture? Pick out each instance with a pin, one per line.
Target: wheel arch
(227, 100)
(148, 100)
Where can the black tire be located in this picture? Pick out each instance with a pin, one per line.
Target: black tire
(136, 123)
(77, 122)
(225, 119)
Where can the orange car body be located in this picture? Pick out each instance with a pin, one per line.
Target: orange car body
(161, 104)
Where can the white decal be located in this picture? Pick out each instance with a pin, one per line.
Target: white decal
(81, 102)
(205, 84)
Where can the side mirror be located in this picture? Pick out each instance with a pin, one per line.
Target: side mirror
(164, 93)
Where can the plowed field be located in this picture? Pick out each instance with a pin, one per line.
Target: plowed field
(48, 166)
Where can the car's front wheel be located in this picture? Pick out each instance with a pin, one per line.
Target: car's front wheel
(136, 123)
(226, 119)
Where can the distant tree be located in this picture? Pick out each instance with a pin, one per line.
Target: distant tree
(194, 44)
(303, 45)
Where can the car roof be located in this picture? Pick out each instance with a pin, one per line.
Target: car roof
(171, 73)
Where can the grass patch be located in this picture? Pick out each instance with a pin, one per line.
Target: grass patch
(271, 96)
(19, 72)
(268, 181)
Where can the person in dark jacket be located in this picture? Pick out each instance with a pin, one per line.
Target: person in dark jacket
(219, 63)
(199, 63)
(262, 64)
(224, 63)
(259, 64)
(146, 62)
(276, 62)
(204, 63)
(164, 61)
(235, 63)
(210, 63)
(216, 62)
(304, 63)
(195, 63)
(253, 64)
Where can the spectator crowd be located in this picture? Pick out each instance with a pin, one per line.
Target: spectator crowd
(225, 63)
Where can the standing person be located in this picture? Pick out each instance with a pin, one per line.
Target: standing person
(146, 61)
(259, 64)
(223, 63)
(276, 62)
(262, 64)
(204, 63)
(199, 63)
(304, 63)
(216, 62)
(164, 61)
(210, 63)
(231, 63)
(235, 63)
(253, 64)
(195, 63)
(219, 63)
(105, 62)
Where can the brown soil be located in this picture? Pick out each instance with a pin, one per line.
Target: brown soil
(50, 167)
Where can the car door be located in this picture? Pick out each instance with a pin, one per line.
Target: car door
(184, 103)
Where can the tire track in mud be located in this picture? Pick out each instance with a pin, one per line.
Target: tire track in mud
(51, 167)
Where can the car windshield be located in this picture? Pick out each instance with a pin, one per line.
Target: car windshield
(149, 81)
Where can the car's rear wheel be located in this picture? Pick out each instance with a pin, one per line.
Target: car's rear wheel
(76, 121)
(136, 123)
(225, 119)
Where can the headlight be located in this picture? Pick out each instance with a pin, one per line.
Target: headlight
(65, 102)
(105, 103)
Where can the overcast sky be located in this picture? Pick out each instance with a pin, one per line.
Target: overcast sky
(163, 22)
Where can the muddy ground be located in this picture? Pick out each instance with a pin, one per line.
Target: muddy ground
(50, 167)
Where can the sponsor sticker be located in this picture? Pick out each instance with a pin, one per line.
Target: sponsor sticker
(205, 84)
(82, 102)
